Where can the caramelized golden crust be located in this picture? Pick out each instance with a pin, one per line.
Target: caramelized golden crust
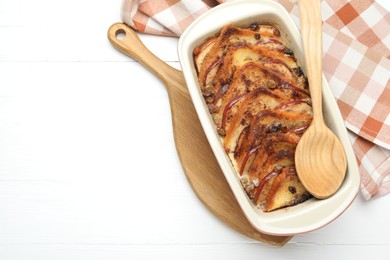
(259, 100)
(286, 190)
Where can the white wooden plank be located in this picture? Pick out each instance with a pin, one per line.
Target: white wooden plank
(73, 107)
(74, 164)
(63, 43)
(104, 212)
(45, 12)
(193, 251)
(118, 210)
(75, 140)
(71, 31)
(73, 156)
(363, 223)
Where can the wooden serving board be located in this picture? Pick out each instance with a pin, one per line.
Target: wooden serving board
(196, 157)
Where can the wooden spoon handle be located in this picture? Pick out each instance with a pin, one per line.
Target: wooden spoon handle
(311, 31)
(132, 46)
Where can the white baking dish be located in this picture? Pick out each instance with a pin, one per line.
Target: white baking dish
(313, 213)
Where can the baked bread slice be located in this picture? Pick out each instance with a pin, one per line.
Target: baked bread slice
(286, 190)
(248, 77)
(201, 51)
(259, 100)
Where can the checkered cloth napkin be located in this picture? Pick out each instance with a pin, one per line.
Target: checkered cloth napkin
(356, 42)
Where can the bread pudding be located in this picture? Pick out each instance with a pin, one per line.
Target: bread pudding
(258, 98)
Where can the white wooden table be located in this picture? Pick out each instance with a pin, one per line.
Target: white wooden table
(89, 170)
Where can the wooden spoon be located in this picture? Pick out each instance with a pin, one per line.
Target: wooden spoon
(320, 159)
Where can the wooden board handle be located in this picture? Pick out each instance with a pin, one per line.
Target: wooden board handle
(132, 46)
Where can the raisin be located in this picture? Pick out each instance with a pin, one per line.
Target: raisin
(275, 127)
(221, 131)
(208, 91)
(298, 71)
(254, 27)
(271, 84)
(213, 108)
(224, 88)
(288, 51)
(257, 36)
(210, 99)
(292, 189)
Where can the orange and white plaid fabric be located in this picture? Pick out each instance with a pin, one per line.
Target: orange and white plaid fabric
(356, 44)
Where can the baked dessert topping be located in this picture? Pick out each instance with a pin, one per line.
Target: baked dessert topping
(259, 101)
